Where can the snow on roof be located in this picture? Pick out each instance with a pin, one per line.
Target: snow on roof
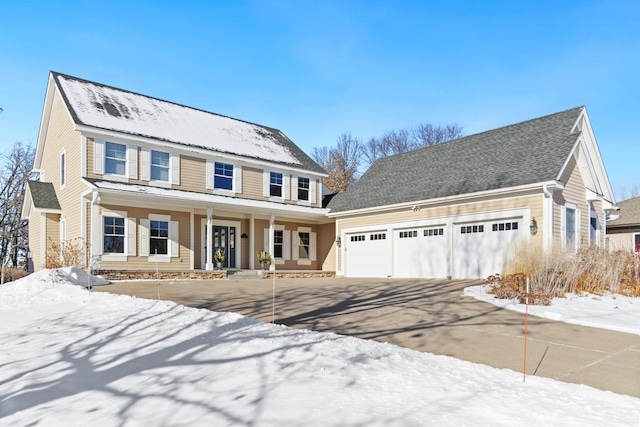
(114, 109)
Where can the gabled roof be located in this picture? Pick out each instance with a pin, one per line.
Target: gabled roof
(524, 153)
(41, 196)
(629, 214)
(105, 107)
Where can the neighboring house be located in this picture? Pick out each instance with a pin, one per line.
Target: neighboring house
(151, 184)
(460, 208)
(623, 230)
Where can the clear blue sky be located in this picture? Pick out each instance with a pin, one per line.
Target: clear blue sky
(316, 69)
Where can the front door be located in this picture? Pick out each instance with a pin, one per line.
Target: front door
(224, 238)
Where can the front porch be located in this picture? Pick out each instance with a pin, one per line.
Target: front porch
(210, 274)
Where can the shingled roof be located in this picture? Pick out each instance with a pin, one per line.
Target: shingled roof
(113, 109)
(43, 195)
(523, 153)
(629, 214)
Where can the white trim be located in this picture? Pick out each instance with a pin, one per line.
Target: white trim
(192, 256)
(223, 223)
(83, 155)
(131, 163)
(145, 164)
(43, 240)
(462, 200)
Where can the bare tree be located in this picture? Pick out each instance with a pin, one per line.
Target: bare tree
(16, 169)
(403, 140)
(341, 162)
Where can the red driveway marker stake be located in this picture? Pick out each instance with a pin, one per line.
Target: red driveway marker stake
(526, 327)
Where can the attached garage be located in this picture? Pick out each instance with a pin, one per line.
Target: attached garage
(420, 252)
(367, 254)
(481, 247)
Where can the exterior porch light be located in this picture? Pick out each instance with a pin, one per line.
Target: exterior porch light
(338, 241)
(533, 227)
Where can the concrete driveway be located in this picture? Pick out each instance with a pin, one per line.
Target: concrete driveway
(425, 315)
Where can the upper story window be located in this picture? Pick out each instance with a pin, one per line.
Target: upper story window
(275, 184)
(303, 188)
(159, 166)
(223, 176)
(115, 159)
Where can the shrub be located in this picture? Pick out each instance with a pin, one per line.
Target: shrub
(70, 253)
(553, 273)
(11, 274)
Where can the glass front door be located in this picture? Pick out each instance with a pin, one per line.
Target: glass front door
(224, 238)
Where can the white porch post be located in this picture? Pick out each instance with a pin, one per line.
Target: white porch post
(209, 254)
(252, 242)
(272, 220)
(95, 227)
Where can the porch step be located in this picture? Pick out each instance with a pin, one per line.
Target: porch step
(244, 274)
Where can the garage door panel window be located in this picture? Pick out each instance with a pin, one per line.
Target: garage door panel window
(357, 238)
(504, 226)
(434, 232)
(378, 236)
(468, 229)
(408, 234)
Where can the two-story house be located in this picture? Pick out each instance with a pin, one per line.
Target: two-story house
(147, 184)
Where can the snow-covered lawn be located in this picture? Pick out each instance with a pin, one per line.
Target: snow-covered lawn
(615, 312)
(71, 357)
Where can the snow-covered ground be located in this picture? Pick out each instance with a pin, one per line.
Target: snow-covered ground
(613, 312)
(71, 357)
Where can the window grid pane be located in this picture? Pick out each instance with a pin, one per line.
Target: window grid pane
(223, 176)
(115, 158)
(159, 240)
(278, 239)
(113, 233)
(275, 188)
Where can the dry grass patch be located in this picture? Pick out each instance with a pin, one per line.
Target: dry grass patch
(552, 274)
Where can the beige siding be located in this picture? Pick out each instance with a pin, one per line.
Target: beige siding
(530, 201)
(252, 183)
(34, 240)
(193, 174)
(621, 240)
(326, 247)
(52, 235)
(60, 136)
(291, 264)
(574, 192)
(182, 262)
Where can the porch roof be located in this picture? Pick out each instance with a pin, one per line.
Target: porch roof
(165, 198)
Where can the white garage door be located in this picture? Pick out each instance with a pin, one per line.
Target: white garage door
(480, 248)
(367, 254)
(420, 252)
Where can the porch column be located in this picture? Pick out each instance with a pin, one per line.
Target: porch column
(252, 242)
(95, 227)
(272, 220)
(209, 244)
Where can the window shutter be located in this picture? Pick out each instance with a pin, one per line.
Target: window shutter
(145, 164)
(174, 166)
(312, 246)
(265, 183)
(144, 237)
(285, 186)
(294, 188)
(98, 157)
(563, 227)
(131, 236)
(312, 191)
(173, 239)
(265, 245)
(286, 245)
(237, 178)
(209, 175)
(132, 161)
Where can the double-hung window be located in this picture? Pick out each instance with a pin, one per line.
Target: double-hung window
(570, 227)
(113, 232)
(278, 243)
(303, 188)
(158, 237)
(223, 176)
(115, 159)
(275, 184)
(159, 166)
(304, 239)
